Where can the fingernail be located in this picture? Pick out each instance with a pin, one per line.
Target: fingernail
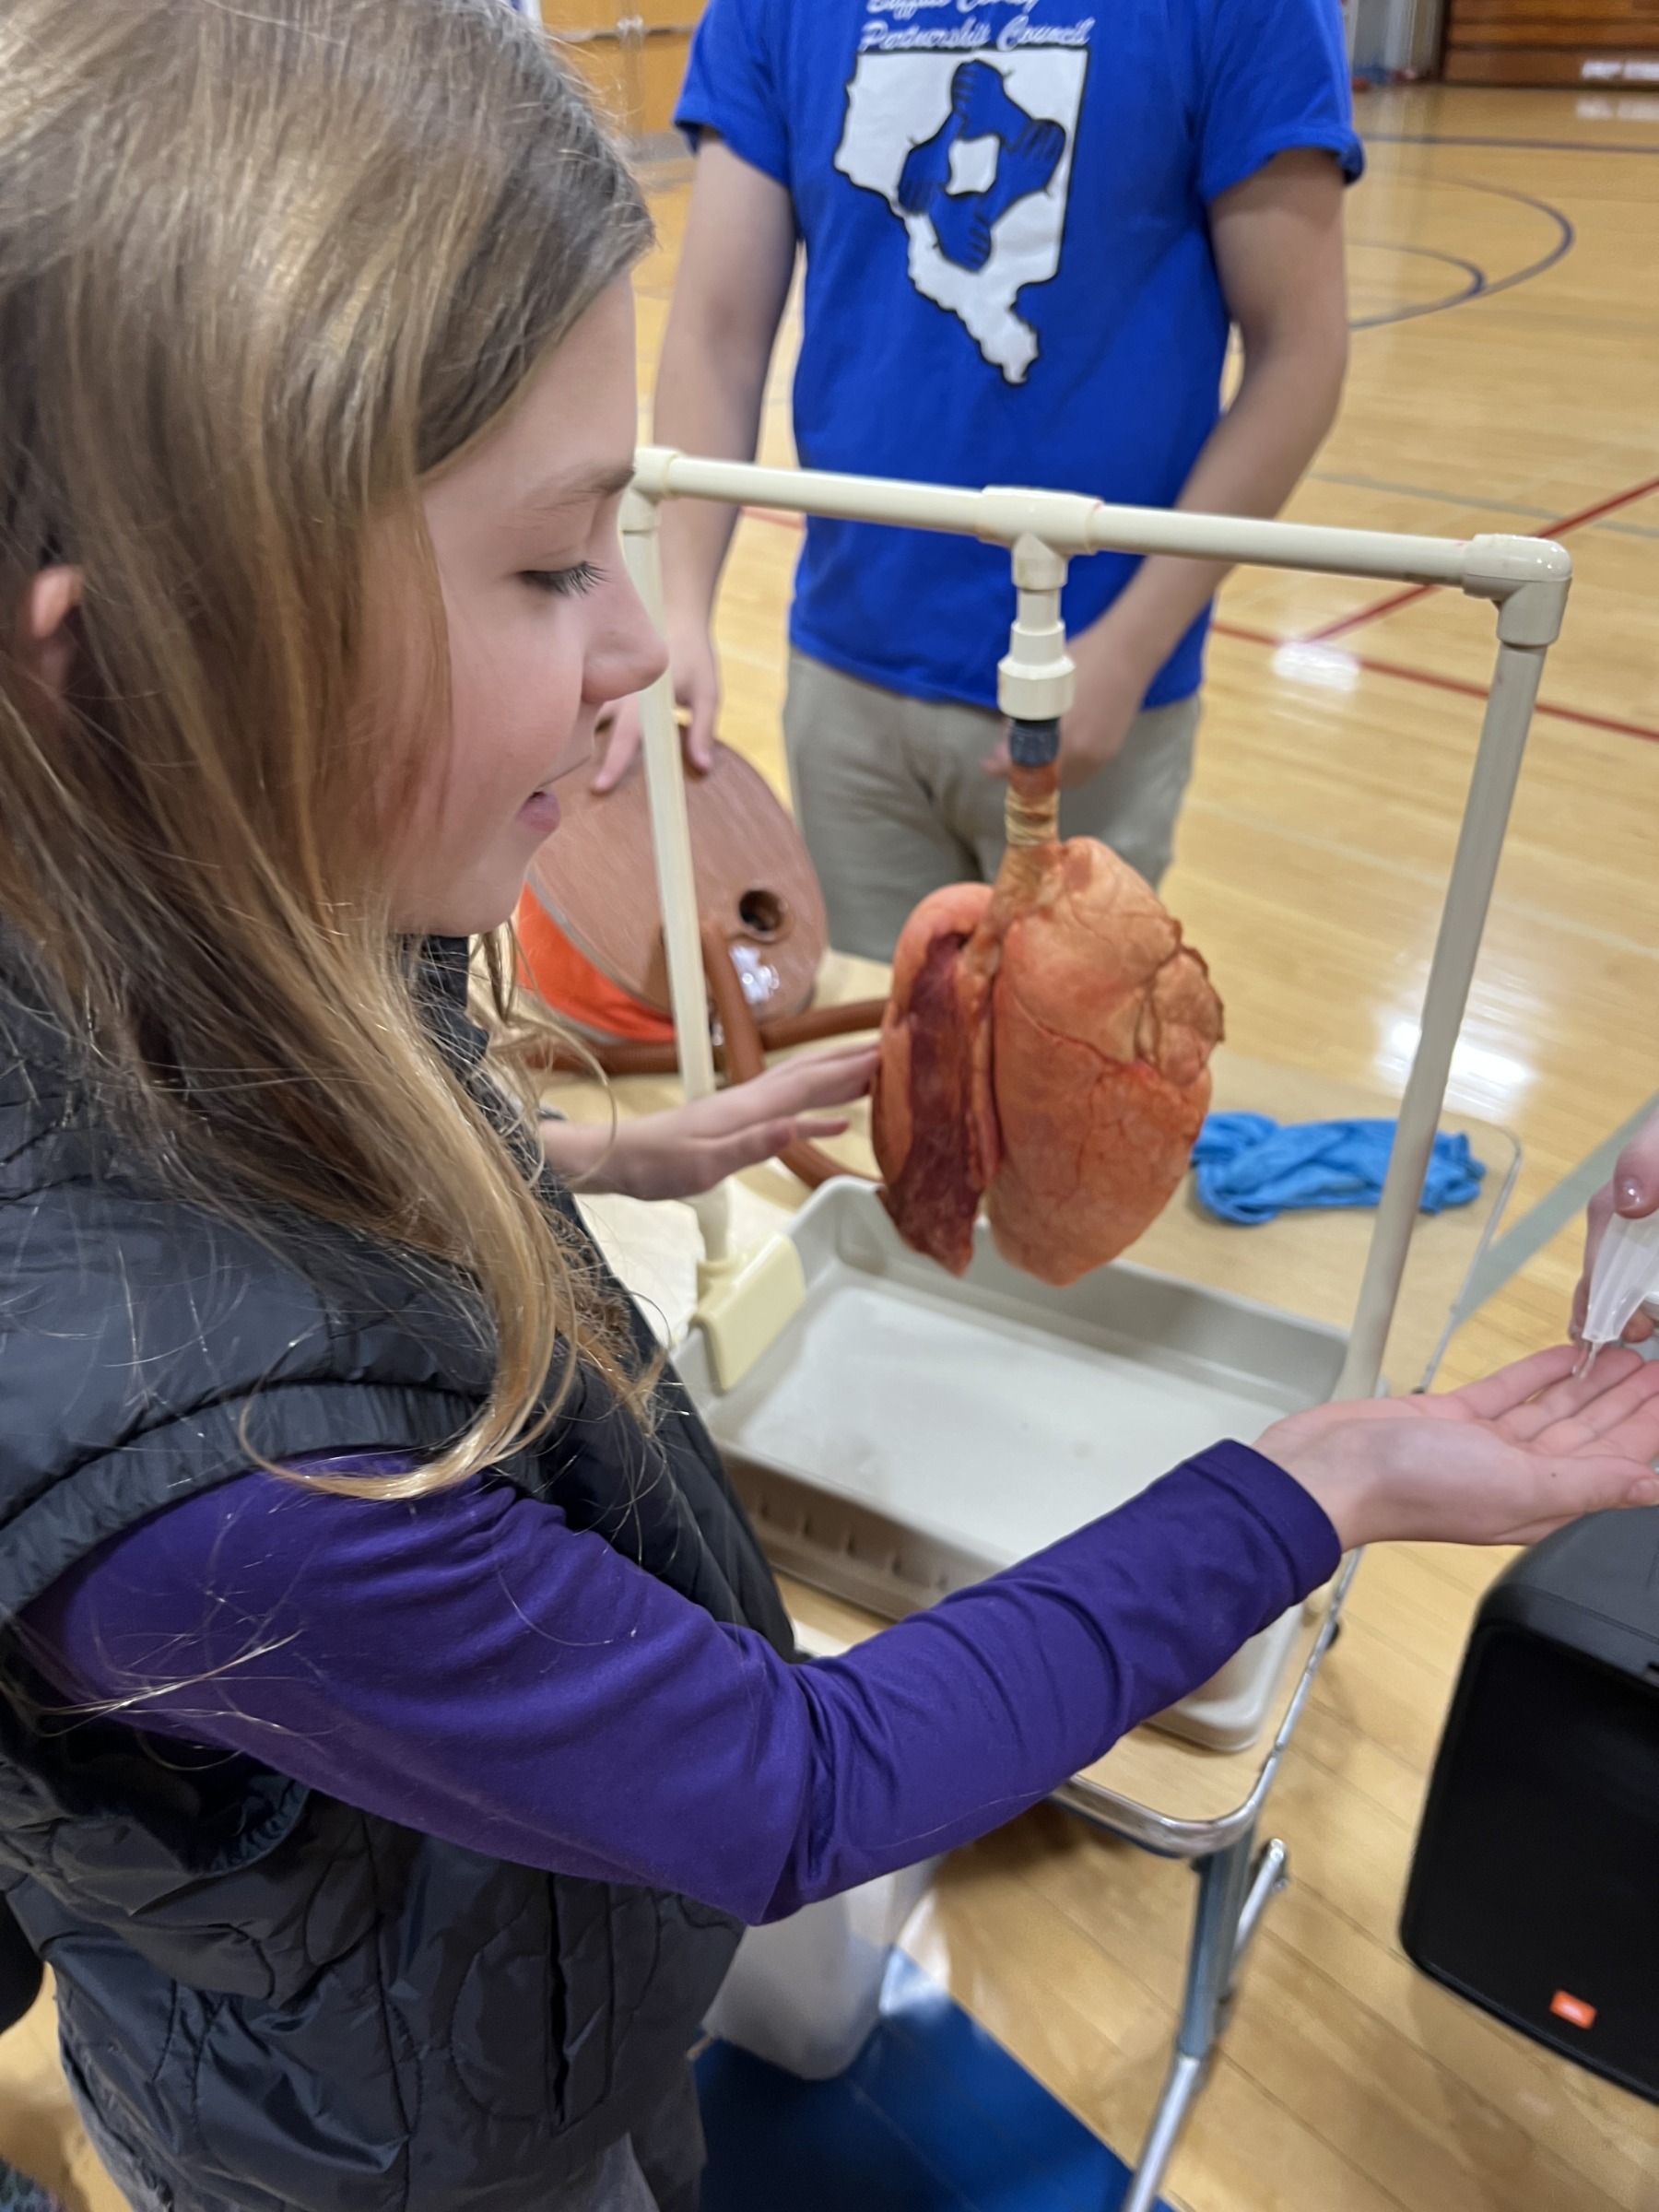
(1629, 1194)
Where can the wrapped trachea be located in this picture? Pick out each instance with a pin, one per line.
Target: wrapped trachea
(1031, 811)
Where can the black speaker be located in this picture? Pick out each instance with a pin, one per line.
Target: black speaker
(1535, 1885)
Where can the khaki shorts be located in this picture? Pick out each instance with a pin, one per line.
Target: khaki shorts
(893, 803)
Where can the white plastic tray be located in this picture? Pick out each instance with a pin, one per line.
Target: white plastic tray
(908, 1434)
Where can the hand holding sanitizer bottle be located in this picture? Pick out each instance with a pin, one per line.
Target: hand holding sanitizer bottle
(1626, 1276)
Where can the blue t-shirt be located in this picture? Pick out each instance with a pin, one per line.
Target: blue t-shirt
(1009, 271)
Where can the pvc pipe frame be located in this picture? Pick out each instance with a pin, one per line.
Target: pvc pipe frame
(1526, 578)
(671, 841)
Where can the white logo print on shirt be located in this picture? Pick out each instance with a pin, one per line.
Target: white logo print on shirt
(974, 158)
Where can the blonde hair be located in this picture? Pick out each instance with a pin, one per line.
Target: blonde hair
(262, 270)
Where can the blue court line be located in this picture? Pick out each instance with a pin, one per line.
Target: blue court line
(1484, 287)
(1566, 238)
(1425, 491)
(1523, 145)
(933, 2115)
(1476, 281)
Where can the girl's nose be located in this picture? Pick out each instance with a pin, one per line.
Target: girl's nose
(626, 653)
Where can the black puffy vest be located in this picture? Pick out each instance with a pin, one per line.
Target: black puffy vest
(270, 1999)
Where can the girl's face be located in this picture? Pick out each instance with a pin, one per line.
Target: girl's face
(544, 626)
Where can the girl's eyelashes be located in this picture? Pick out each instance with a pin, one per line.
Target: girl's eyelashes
(564, 582)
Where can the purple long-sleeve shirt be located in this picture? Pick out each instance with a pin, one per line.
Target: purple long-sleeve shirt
(471, 1666)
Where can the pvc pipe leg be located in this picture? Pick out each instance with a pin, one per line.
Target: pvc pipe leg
(714, 1211)
(1223, 1891)
(676, 871)
(1179, 2092)
(1231, 1897)
(1270, 1875)
(1516, 680)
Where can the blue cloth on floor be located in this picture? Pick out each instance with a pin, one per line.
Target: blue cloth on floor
(1250, 1169)
(18, 2194)
(933, 2115)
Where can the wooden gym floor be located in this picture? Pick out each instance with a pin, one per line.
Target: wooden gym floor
(1505, 277)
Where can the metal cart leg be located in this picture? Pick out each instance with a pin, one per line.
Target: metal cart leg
(1232, 1894)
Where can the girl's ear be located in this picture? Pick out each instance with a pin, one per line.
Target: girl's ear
(45, 639)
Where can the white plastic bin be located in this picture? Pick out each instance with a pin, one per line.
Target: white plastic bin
(805, 1992)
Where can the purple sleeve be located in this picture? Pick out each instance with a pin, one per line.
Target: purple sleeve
(471, 1666)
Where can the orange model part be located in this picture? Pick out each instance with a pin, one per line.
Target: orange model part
(573, 986)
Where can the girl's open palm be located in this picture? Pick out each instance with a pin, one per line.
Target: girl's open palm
(1504, 1461)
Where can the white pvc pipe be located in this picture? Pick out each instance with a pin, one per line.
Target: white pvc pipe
(1528, 577)
(1462, 919)
(1491, 567)
(671, 843)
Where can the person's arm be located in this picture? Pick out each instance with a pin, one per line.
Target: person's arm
(735, 264)
(689, 1148)
(1632, 1190)
(470, 1666)
(1277, 242)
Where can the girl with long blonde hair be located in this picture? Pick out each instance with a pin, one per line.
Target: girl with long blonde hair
(400, 1718)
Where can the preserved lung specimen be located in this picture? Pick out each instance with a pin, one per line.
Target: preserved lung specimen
(1045, 1049)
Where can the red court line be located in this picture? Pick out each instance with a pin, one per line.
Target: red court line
(1448, 683)
(1594, 514)
(1420, 591)
(1369, 614)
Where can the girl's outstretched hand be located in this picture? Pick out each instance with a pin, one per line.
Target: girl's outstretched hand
(1499, 1462)
(691, 1149)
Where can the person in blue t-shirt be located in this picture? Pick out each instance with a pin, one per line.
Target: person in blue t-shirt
(1027, 232)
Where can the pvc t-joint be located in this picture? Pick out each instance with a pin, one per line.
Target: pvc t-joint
(652, 466)
(1036, 678)
(641, 515)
